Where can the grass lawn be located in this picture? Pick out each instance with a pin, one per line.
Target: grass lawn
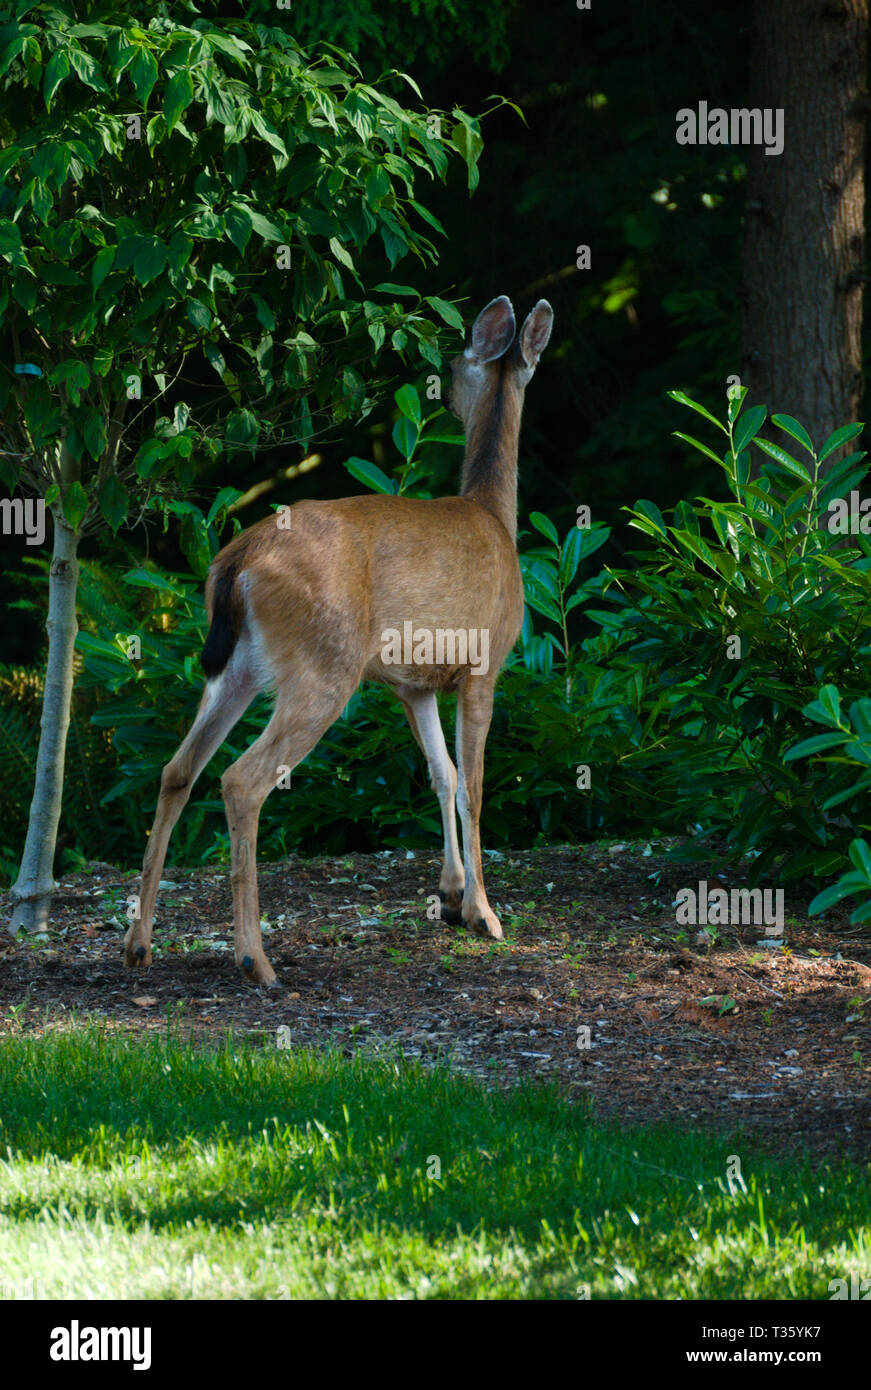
(160, 1169)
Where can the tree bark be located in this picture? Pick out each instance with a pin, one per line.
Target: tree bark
(33, 889)
(804, 229)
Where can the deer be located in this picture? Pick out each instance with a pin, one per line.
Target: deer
(304, 611)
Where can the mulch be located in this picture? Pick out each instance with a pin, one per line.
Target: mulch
(772, 1041)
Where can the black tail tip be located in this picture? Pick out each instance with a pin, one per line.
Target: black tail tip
(218, 647)
(223, 633)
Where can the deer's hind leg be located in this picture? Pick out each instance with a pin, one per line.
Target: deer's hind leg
(224, 701)
(304, 711)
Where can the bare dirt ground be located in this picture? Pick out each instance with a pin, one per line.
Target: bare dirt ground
(731, 1034)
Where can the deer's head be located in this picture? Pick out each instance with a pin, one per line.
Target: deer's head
(495, 355)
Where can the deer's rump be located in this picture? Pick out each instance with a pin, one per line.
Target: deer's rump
(330, 579)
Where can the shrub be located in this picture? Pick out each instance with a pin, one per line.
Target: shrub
(723, 633)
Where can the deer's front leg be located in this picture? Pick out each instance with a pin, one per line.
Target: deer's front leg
(474, 710)
(421, 708)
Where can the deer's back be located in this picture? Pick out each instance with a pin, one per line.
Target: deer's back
(344, 572)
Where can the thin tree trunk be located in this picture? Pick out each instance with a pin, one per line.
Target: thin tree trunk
(32, 891)
(804, 238)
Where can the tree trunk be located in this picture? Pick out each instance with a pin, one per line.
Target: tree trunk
(32, 891)
(804, 230)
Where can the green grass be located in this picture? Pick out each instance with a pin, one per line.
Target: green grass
(157, 1169)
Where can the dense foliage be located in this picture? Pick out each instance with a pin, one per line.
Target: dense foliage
(164, 238)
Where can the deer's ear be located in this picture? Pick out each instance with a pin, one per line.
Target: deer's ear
(535, 333)
(493, 331)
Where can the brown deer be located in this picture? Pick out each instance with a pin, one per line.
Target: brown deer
(307, 609)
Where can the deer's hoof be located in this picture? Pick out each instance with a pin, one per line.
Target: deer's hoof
(137, 956)
(451, 906)
(259, 972)
(486, 926)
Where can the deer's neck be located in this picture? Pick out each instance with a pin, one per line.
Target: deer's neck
(490, 464)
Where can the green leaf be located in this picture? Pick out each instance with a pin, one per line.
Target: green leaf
(377, 332)
(694, 405)
(544, 524)
(243, 428)
(219, 101)
(841, 436)
(57, 71)
(225, 498)
(702, 448)
(378, 185)
(862, 914)
(88, 69)
(651, 512)
(239, 227)
(264, 227)
(395, 245)
(303, 421)
(748, 427)
(94, 434)
(268, 133)
(860, 717)
(387, 287)
(75, 504)
(446, 311)
(143, 74)
(199, 314)
(341, 254)
(592, 539)
(786, 461)
(844, 888)
(103, 262)
(370, 474)
(113, 503)
(42, 202)
(826, 709)
(792, 427)
(150, 259)
(88, 31)
(405, 436)
(216, 357)
(540, 600)
(696, 546)
(177, 98)
(11, 52)
(10, 242)
(466, 139)
(570, 556)
(427, 216)
(860, 857)
(265, 316)
(818, 744)
(858, 751)
(194, 541)
(179, 251)
(409, 403)
(74, 375)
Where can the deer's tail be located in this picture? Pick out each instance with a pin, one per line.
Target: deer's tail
(227, 611)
